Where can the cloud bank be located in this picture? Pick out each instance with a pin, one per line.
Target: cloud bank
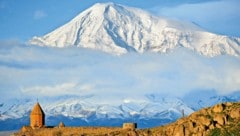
(31, 71)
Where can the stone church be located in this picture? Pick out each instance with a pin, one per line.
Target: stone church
(37, 117)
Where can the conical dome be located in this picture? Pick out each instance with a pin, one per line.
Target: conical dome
(61, 125)
(37, 117)
(37, 110)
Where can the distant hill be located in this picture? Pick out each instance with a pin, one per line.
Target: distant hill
(220, 120)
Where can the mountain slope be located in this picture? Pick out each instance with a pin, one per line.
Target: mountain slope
(119, 29)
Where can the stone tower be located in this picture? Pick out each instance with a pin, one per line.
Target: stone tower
(37, 117)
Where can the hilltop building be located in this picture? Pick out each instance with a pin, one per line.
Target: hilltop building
(61, 125)
(130, 126)
(37, 120)
(37, 117)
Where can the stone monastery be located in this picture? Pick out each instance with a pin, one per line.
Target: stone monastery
(37, 120)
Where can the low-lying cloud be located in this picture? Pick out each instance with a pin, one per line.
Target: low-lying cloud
(34, 71)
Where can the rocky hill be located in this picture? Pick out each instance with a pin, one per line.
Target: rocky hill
(219, 120)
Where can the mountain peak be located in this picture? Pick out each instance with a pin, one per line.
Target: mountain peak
(104, 8)
(118, 29)
(101, 7)
(107, 4)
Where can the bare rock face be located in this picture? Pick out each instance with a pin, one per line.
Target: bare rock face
(228, 104)
(235, 113)
(212, 126)
(218, 108)
(192, 125)
(205, 121)
(220, 119)
(179, 130)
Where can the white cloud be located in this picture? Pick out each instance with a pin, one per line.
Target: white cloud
(39, 14)
(41, 71)
(58, 90)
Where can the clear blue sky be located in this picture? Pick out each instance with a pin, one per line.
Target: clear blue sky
(23, 19)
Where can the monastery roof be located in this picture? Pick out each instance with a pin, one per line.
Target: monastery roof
(61, 124)
(37, 110)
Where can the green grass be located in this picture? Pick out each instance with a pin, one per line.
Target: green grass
(215, 132)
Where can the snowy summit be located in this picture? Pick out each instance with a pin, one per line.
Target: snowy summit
(118, 29)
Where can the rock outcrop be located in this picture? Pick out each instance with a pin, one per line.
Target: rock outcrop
(221, 119)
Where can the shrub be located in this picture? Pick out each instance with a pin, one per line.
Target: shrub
(215, 132)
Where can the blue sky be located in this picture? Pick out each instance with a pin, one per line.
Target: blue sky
(21, 20)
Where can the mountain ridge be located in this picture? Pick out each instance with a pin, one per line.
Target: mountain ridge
(221, 119)
(155, 110)
(118, 29)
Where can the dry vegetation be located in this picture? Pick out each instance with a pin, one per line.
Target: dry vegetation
(70, 131)
(219, 120)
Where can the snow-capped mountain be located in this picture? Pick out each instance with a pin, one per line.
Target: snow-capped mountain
(150, 106)
(151, 110)
(118, 29)
(148, 111)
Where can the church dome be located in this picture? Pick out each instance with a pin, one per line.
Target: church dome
(37, 117)
(61, 125)
(37, 110)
